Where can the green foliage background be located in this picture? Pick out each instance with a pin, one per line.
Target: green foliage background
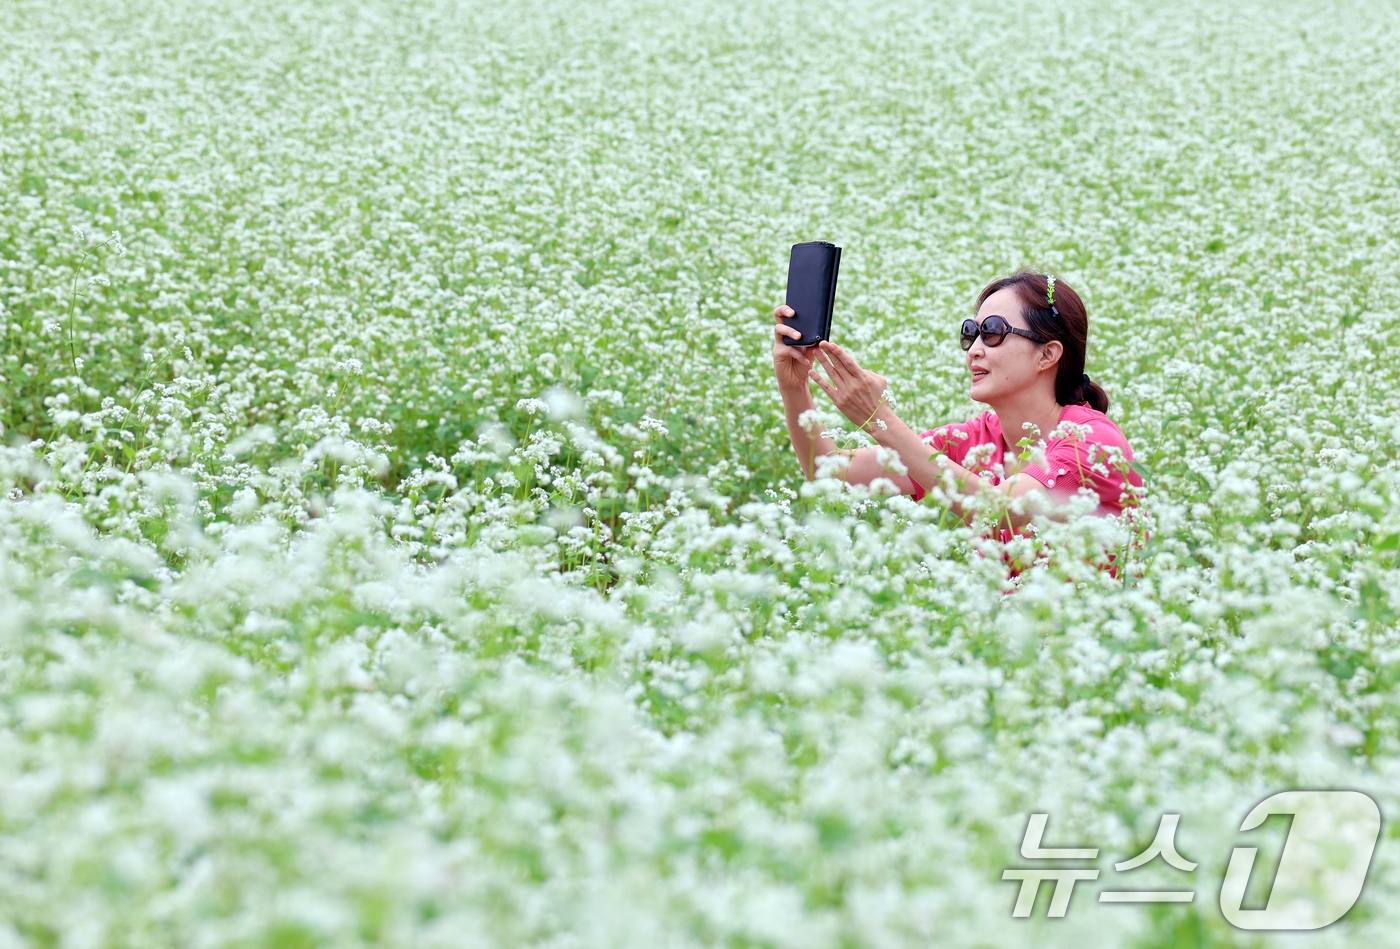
(401, 543)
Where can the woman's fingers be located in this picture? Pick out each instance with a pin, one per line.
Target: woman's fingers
(834, 369)
(782, 329)
(780, 351)
(844, 366)
(847, 362)
(828, 389)
(793, 353)
(831, 356)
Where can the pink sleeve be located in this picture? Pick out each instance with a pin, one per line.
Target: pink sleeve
(1064, 462)
(953, 440)
(1070, 465)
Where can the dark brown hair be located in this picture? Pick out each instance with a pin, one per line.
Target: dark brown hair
(1071, 328)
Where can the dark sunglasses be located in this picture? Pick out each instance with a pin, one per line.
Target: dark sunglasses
(992, 330)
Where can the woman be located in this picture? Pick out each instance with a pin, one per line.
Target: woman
(1025, 357)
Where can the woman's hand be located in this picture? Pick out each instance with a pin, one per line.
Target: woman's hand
(790, 363)
(858, 393)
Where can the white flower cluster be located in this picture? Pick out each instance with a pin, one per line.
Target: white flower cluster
(401, 544)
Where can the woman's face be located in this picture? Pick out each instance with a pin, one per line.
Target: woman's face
(1013, 366)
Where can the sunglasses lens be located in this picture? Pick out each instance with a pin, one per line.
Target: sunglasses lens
(994, 330)
(969, 334)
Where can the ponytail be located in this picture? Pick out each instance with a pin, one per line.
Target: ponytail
(1088, 392)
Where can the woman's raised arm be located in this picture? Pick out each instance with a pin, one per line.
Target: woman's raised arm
(793, 367)
(860, 395)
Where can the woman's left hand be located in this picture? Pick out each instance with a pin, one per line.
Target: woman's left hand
(857, 392)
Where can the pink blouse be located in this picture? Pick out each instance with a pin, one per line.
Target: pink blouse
(1070, 463)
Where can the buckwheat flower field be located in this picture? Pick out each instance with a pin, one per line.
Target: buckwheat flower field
(400, 543)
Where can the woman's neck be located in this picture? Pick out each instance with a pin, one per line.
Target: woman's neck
(1013, 414)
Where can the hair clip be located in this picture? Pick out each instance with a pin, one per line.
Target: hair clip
(1050, 294)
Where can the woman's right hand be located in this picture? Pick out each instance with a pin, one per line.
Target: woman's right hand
(790, 363)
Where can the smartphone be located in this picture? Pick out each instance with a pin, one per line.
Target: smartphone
(811, 290)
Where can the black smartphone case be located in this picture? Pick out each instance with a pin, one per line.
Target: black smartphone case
(811, 290)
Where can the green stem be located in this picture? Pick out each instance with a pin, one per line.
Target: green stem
(72, 344)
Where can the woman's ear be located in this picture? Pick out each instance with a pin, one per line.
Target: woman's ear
(1050, 355)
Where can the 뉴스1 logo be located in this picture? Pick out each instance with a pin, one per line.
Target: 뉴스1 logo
(1320, 873)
